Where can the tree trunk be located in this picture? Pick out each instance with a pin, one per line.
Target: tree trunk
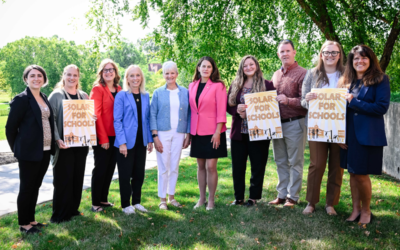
(388, 50)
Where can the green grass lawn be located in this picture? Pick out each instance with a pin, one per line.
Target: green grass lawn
(226, 227)
(4, 97)
(3, 121)
(228, 121)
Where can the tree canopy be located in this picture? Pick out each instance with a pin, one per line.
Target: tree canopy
(53, 54)
(228, 30)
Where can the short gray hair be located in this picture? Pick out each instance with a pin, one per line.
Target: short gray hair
(169, 65)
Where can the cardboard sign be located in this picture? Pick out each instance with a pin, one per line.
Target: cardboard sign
(263, 116)
(79, 126)
(327, 116)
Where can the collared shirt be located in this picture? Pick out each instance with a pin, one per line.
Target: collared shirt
(289, 83)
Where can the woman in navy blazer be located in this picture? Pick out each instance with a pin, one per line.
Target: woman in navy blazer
(132, 137)
(30, 134)
(368, 100)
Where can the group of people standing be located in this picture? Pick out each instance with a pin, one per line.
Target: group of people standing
(128, 123)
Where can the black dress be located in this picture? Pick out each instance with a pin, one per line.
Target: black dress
(202, 147)
(359, 159)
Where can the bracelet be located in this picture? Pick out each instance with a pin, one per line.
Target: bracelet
(155, 135)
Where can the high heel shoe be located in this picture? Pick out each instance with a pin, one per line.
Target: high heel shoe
(370, 220)
(355, 220)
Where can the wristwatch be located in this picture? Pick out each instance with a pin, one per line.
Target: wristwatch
(155, 135)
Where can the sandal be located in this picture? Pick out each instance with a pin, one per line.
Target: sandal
(99, 209)
(330, 210)
(309, 209)
(199, 205)
(107, 205)
(163, 205)
(175, 203)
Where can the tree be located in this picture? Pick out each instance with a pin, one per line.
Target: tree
(3, 82)
(53, 54)
(228, 30)
(125, 54)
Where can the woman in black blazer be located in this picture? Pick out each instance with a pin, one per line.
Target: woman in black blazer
(368, 100)
(29, 131)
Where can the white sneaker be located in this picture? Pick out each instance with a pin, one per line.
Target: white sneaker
(129, 210)
(140, 208)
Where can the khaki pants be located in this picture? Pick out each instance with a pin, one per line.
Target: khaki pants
(318, 157)
(289, 158)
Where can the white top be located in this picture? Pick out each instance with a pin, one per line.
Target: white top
(174, 107)
(333, 80)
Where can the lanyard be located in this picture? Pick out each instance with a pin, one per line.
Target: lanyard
(69, 97)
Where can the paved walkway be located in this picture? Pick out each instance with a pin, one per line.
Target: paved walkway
(9, 178)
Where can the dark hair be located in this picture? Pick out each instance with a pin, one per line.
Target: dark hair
(215, 77)
(373, 75)
(99, 78)
(286, 41)
(38, 68)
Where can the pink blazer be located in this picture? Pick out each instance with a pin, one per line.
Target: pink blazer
(211, 109)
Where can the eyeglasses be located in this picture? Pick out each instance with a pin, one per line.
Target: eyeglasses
(333, 53)
(110, 70)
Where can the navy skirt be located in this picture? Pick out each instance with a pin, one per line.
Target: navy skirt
(359, 159)
(202, 147)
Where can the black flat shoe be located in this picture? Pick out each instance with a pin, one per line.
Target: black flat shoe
(77, 213)
(250, 203)
(99, 209)
(39, 225)
(237, 202)
(107, 205)
(32, 230)
(355, 220)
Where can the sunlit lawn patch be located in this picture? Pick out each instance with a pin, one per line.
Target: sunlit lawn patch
(226, 227)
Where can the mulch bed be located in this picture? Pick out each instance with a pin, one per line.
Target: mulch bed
(7, 157)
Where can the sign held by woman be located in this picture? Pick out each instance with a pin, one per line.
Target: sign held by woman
(79, 126)
(327, 116)
(263, 116)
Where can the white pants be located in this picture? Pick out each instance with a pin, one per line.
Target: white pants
(168, 161)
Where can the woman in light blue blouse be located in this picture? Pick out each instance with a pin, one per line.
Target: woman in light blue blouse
(169, 122)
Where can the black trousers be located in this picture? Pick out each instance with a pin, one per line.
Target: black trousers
(131, 174)
(104, 167)
(68, 175)
(31, 174)
(257, 151)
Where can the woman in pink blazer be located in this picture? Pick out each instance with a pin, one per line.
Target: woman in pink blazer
(207, 98)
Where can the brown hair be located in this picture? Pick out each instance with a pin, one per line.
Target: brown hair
(215, 77)
(240, 79)
(286, 41)
(320, 68)
(38, 68)
(61, 83)
(373, 75)
(100, 80)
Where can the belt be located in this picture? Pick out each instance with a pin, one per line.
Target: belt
(292, 119)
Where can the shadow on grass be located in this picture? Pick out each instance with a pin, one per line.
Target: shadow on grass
(225, 227)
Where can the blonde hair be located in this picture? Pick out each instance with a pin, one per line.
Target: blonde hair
(320, 68)
(61, 83)
(100, 80)
(240, 79)
(126, 83)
